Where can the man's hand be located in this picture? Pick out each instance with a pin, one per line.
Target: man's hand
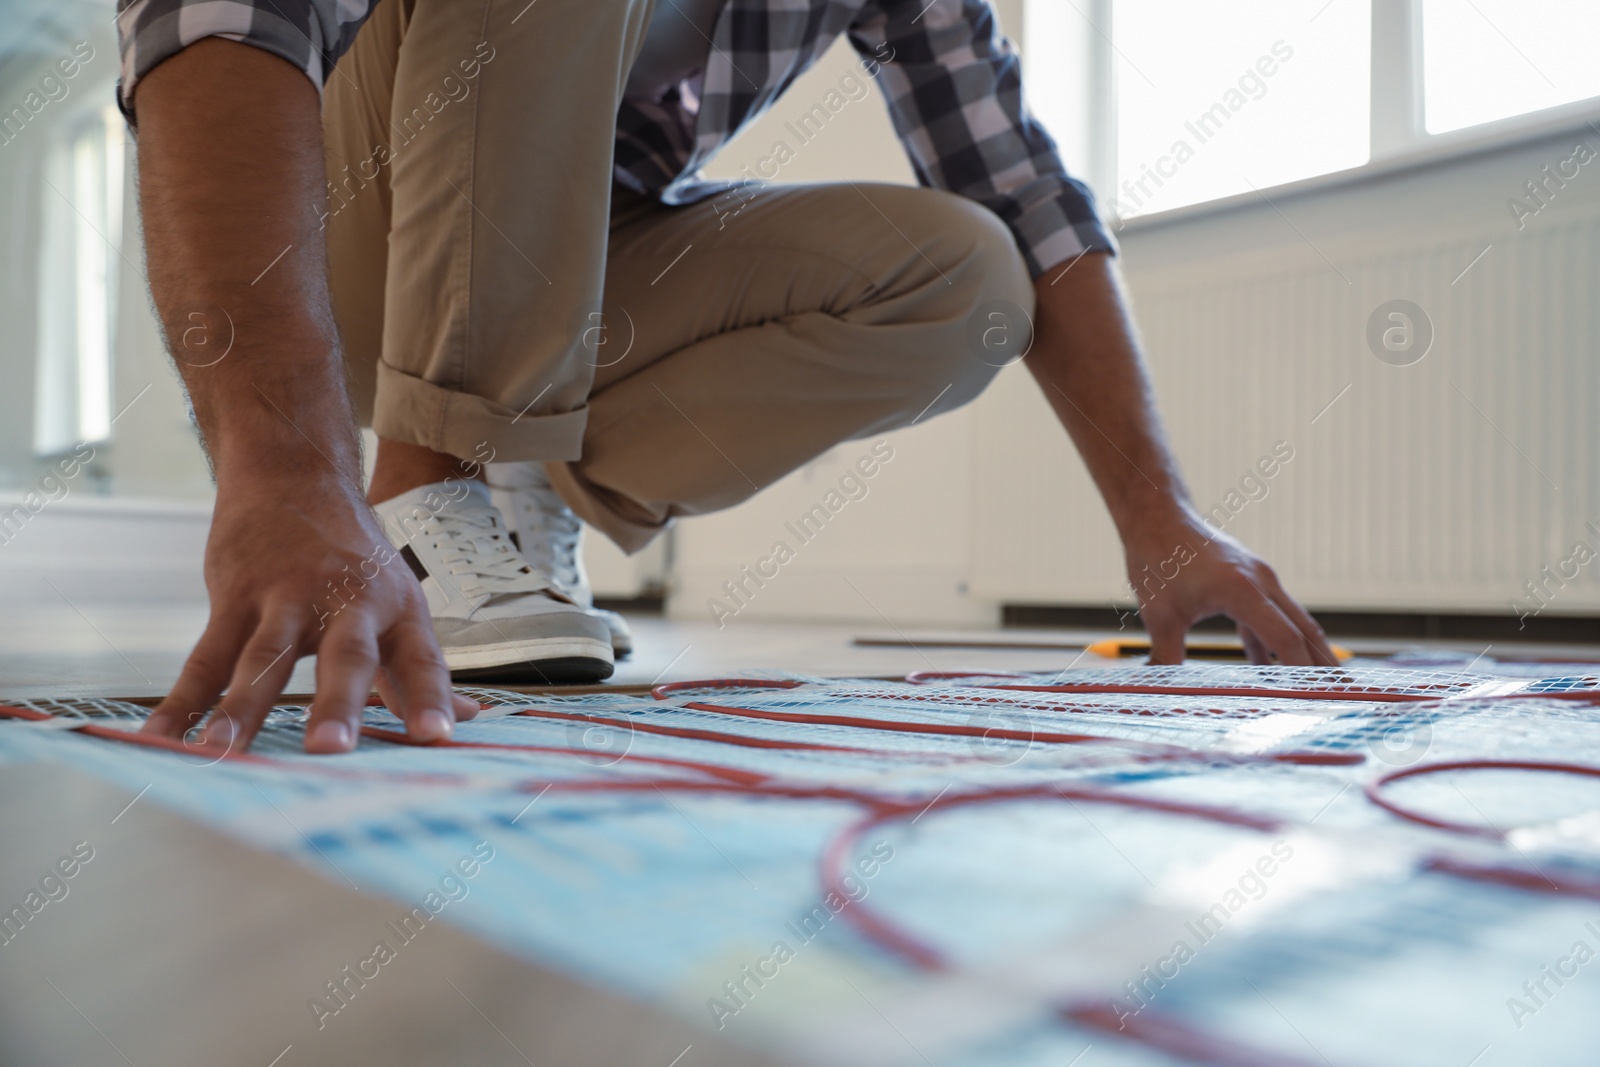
(231, 177)
(1086, 358)
(1186, 571)
(293, 568)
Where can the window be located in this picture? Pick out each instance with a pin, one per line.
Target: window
(79, 252)
(1218, 99)
(1204, 101)
(1491, 59)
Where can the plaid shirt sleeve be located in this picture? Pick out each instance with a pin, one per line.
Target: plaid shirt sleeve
(311, 34)
(954, 87)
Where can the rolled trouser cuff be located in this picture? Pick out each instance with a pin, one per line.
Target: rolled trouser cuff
(629, 524)
(419, 412)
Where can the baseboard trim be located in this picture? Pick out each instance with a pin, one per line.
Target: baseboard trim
(647, 604)
(805, 592)
(1541, 629)
(103, 549)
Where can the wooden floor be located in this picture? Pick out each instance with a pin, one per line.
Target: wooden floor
(128, 650)
(136, 651)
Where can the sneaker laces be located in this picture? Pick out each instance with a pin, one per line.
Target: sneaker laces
(540, 510)
(476, 548)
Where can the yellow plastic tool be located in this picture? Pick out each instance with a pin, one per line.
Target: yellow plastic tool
(1117, 648)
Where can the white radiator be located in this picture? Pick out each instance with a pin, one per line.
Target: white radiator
(1445, 485)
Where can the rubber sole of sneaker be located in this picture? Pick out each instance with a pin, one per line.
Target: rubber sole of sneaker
(575, 670)
(569, 661)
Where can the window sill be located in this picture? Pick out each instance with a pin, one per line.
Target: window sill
(1432, 151)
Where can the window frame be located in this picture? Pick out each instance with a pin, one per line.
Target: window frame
(87, 120)
(1399, 137)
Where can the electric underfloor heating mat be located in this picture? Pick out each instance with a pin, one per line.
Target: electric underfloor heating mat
(1220, 864)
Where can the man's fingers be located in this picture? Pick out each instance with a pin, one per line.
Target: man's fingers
(259, 675)
(1166, 637)
(1318, 653)
(417, 682)
(1308, 628)
(1255, 610)
(347, 659)
(204, 676)
(1254, 650)
(465, 707)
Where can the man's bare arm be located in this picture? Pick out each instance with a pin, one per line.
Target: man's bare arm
(1086, 358)
(230, 174)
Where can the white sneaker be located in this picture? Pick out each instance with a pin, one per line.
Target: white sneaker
(497, 618)
(550, 537)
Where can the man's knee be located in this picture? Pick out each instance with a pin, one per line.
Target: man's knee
(988, 297)
(953, 232)
(976, 237)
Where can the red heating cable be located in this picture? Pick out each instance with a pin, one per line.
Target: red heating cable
(1153, 750)
(1374, 789)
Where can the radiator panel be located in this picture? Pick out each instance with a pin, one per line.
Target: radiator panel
(1444, 485)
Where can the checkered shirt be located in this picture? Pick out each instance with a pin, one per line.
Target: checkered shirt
(952, 82)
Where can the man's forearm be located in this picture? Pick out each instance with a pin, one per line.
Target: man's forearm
(230, 174)
(230, 182)
(1087, 360)
(1085, 357)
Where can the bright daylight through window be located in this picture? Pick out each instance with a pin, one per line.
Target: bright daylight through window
(1492, 59)
(1214, 100)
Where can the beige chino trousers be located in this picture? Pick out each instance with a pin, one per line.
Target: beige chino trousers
(494, 292)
